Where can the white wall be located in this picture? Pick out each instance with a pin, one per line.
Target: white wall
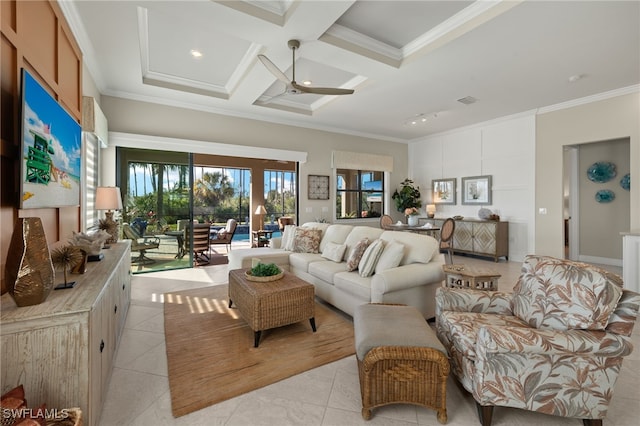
(142, 118)
(612, 118)
(504, 149)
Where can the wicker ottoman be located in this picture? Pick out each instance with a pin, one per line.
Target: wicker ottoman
(400, 359)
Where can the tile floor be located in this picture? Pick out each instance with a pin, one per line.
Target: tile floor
(329, 395)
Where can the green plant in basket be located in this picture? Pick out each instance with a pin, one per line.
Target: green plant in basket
(265, 270)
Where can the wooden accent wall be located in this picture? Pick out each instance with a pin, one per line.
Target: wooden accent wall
(35, 36)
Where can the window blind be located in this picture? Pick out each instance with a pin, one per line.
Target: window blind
(362, 161)
(91, 148)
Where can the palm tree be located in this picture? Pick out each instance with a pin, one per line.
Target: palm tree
(212, 189)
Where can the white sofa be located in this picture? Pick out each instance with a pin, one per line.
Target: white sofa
(413, 282)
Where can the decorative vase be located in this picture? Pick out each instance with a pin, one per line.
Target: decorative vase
(29, 274)
(412, 220)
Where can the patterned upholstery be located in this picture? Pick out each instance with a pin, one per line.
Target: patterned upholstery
(504, 359)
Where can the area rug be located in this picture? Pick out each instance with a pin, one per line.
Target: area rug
(210, 351)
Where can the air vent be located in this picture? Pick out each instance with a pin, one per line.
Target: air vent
(467, 100)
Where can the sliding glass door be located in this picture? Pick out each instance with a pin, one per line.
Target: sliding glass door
(157, 208)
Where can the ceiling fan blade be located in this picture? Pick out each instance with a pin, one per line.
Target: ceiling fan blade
(273, 69)
(322, 90)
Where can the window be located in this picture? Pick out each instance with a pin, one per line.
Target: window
(359, 193)
(279, 193)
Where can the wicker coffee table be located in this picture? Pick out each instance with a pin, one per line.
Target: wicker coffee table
(271, 304)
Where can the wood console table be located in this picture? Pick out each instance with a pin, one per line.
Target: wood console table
(62, 350)
(480, 237)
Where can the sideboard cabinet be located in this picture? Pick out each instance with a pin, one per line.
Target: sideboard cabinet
(62, 350)
(480, 237)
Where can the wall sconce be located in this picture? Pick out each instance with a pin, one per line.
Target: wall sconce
(261, 211)
(431, 210)
(108, 198)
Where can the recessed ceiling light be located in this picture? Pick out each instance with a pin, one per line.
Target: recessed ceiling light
(307, 82)
(421, 118)
(575, 78)
(467, 100)
(196, 53)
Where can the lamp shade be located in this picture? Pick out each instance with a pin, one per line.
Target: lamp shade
(260, 210)
(431, 210)
(108, 198)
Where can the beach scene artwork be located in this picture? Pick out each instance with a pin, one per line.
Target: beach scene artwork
(51, 150)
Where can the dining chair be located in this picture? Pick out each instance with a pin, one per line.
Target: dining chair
(446, 237)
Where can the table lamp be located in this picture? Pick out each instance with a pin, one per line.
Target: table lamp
(431, 210)
(108, 198)
(261, 211)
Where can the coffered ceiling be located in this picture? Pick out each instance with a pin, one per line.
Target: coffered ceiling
(409, 62)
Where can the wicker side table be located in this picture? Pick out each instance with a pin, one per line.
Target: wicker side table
(462, 276)
(266, 305)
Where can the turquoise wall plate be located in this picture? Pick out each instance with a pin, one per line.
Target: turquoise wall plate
(605, 196)
(601, 172)
(625, 182)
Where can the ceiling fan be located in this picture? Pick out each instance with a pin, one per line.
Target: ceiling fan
(292, 86)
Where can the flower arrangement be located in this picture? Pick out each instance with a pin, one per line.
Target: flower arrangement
(411, 211)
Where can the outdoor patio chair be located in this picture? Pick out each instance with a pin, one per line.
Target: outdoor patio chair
(225, 235)
(200, 248)
(140, 244)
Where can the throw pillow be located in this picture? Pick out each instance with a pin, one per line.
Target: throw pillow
(307, 240)
(334, 251)
(367, 265)
(288, 236)
(356, 254)
(390, 257)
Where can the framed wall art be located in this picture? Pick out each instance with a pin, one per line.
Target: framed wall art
(444, 191)
(318, 187)
(476, 190)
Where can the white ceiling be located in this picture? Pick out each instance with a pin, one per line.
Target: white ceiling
(405, 59)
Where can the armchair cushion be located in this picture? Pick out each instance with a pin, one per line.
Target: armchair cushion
(556, 294)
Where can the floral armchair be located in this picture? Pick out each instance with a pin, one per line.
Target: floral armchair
(555, 345)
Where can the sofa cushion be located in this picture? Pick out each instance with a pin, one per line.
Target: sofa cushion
(370, 258)
(301, 261)
(356, 254)
(352, 283)
(358, 233)
(560, 294)
(419, 248)
(391, 256)
(322, 226)
(335, 234)
(307, 240)
(334, 251)
(325, 270)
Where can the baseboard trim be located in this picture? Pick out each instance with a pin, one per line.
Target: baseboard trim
(600, 260)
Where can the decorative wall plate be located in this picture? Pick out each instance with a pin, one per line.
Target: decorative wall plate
(625, 182)
(318, 187)
(605, 196)
(601, 172)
